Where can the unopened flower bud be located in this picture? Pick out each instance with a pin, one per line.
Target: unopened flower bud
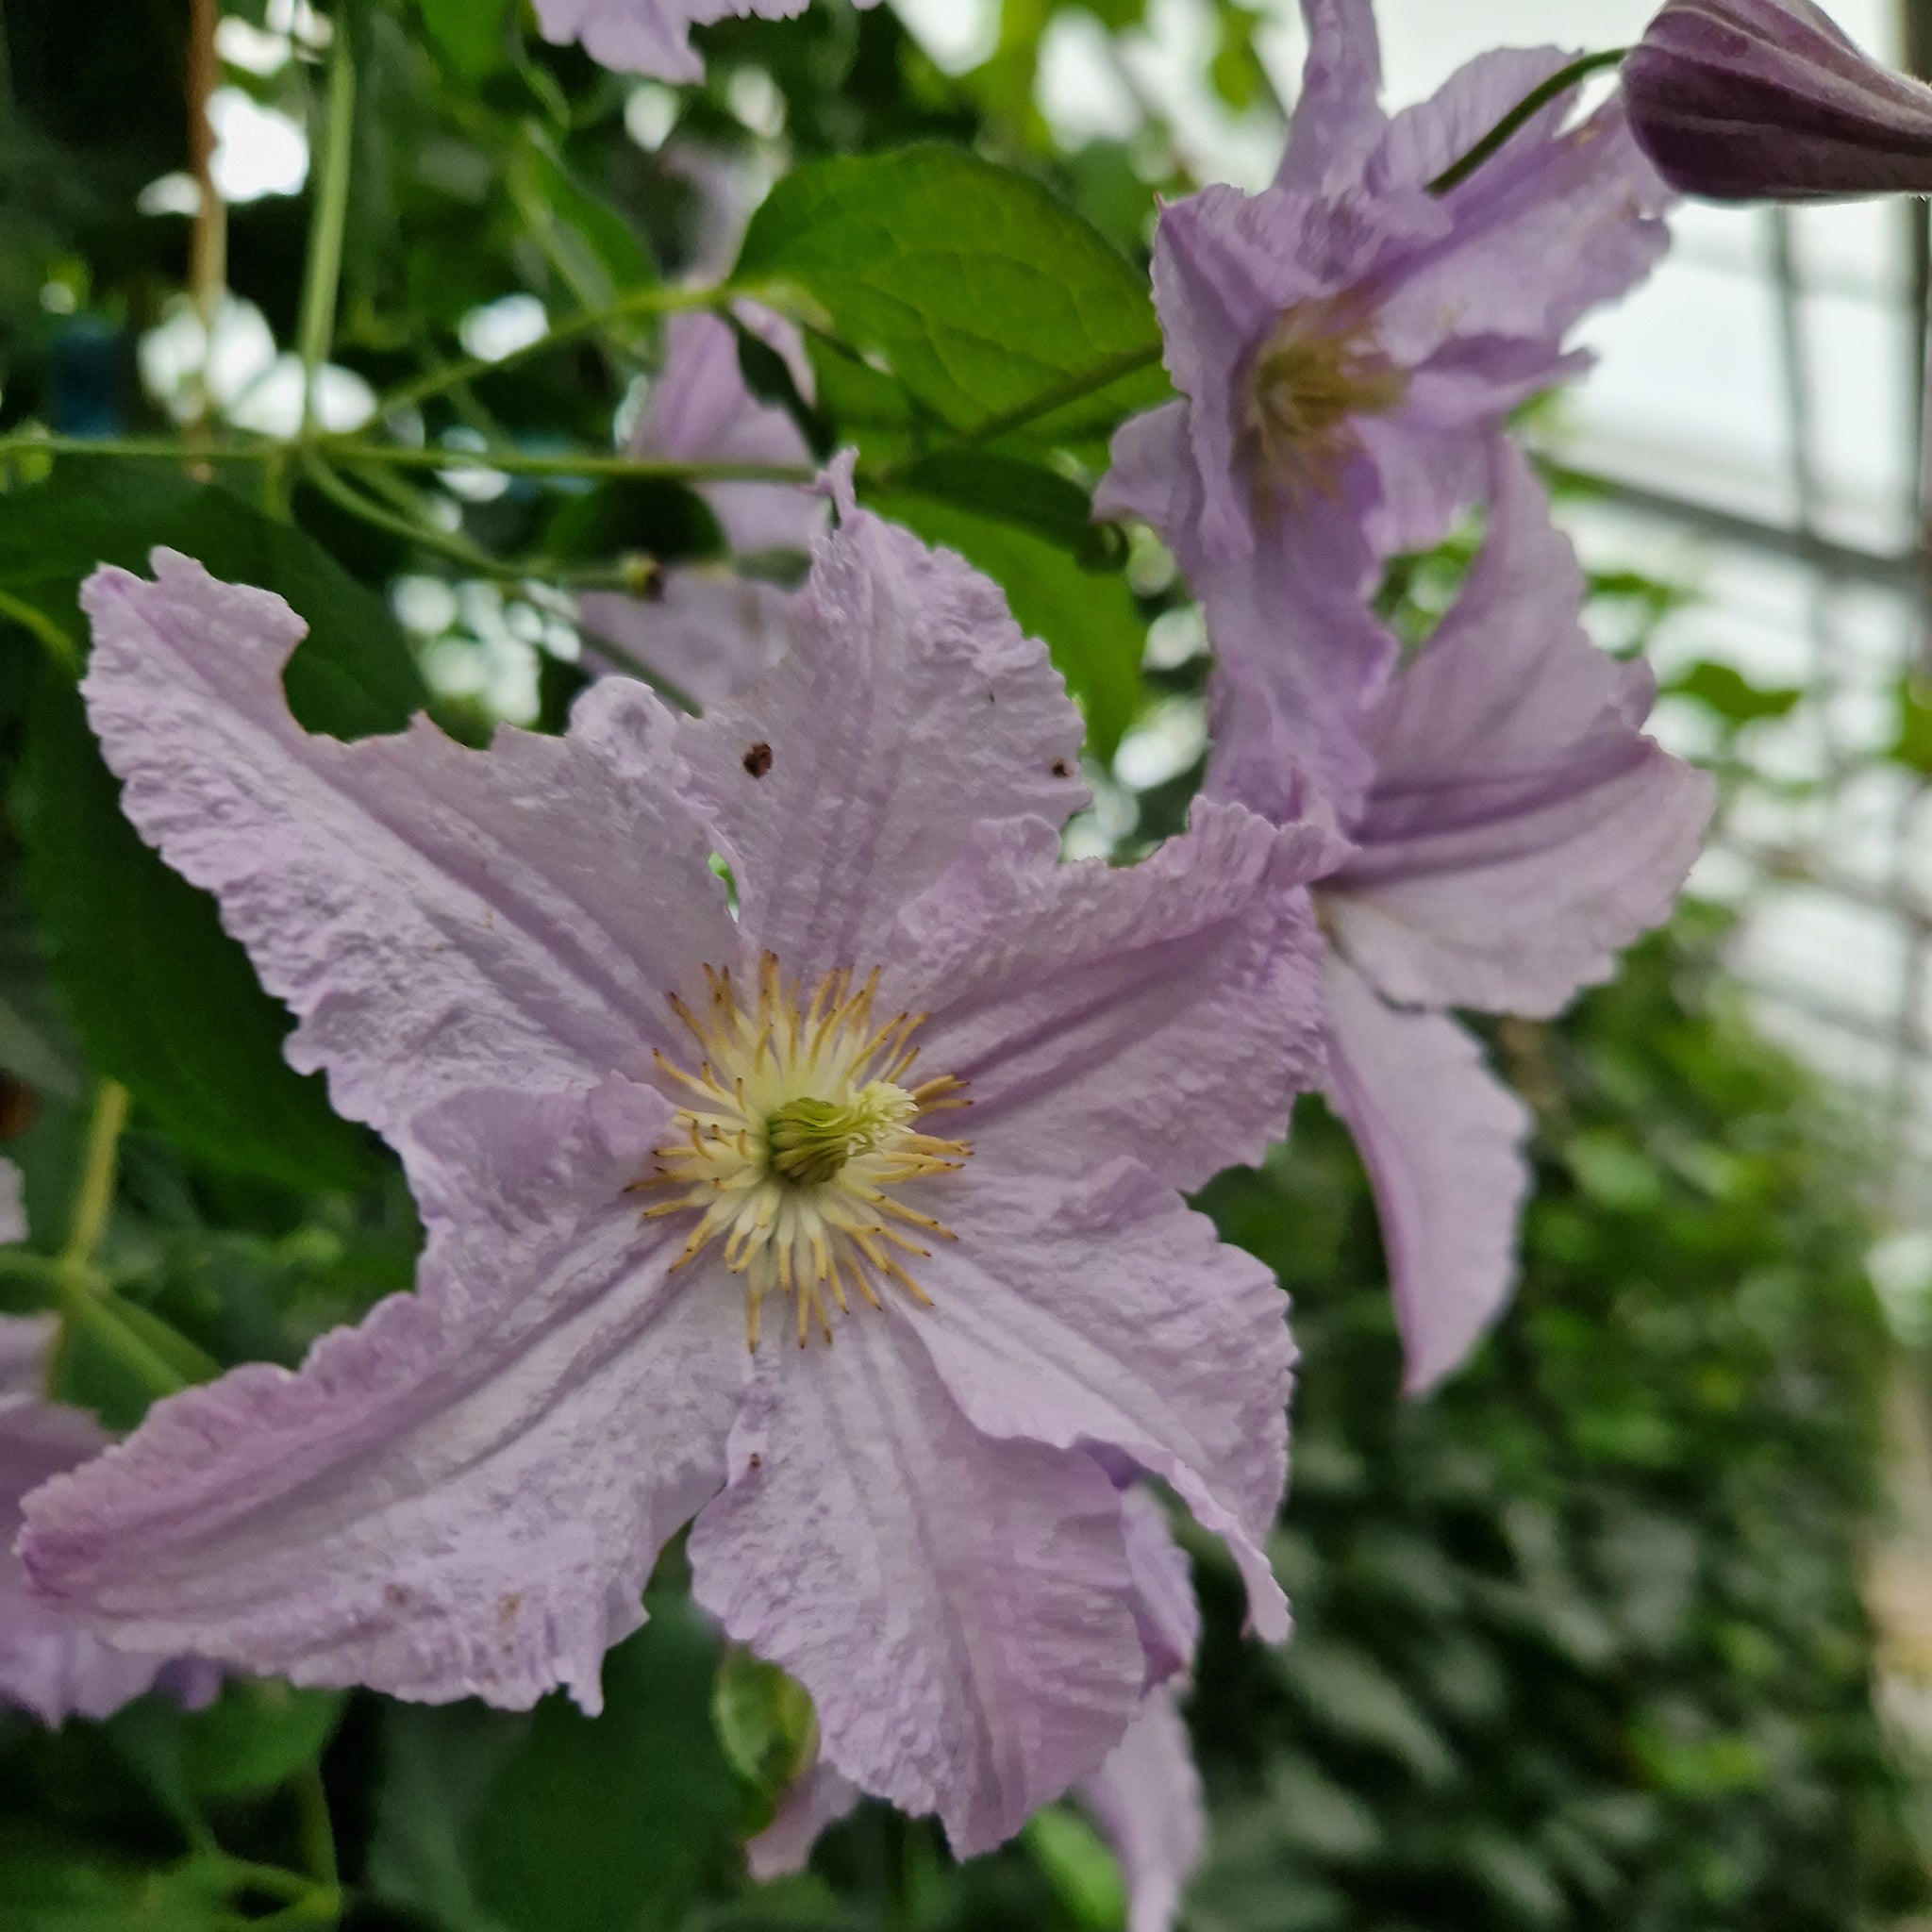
(1768, 100)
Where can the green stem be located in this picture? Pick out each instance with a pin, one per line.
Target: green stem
(317, 1828)
(322, 278)
(128, 1333)
(60, 647)
(189, 1362)
(19, 1264)
(154, 449)
(1521, 114)
(657, 300)
(94, 1196)
(514, 462)
(354, 449)
(412, 529)
(82, 1308)
(1069, 390)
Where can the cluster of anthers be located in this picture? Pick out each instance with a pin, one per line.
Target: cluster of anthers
(1317, 372)
(797, 1133)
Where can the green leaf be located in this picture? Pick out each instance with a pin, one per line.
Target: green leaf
(1027, 495)
(1913, 745)
(168, 1004)
(1727, 692)
(47, 1885)
(1347, 1692)
(1090, 624)
(256, 1735)
(470, 33)
(248, 1743)
(36, 1042)
(1084, 1875)
(595, 250)
(1235, 69)
(436, 1767)
(633, 514)
(353, 673)
(165, 1001)
(609, 1824)
(972, 284)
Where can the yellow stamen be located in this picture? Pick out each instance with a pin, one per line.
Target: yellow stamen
(793, 1139)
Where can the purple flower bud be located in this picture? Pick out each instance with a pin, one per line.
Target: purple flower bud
(1768, 100)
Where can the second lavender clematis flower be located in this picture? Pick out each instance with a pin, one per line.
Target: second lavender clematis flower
(702, 1239)
(709, 631)
(1514, 828)
(1347, 338)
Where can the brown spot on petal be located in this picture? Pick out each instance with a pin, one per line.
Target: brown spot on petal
(757, 758)
(507, 1608)
(754, 1461)
(394, 1595)
(1061, 769)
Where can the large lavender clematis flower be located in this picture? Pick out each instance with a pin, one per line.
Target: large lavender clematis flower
(1346, 335)
(520, 967)
(652, 36)
(50, 1663)
(1750, 100)
(1512, 827)
(709, 631)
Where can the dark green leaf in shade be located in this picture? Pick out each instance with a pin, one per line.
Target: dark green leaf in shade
(353, 673)
(48, 1885)
(769, 378)
(633, 516)
(973, 284)
(436, 1769)
(166, 1001)
(256, 1735)
(556, 1822)
(470, 33)
(1028, 495)
(609, 1826)
(1089, 622)
(1085, 1876)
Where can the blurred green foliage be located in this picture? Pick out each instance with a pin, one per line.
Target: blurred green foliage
(1579, 1639)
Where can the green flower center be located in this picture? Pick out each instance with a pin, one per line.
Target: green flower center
(808, 1142)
